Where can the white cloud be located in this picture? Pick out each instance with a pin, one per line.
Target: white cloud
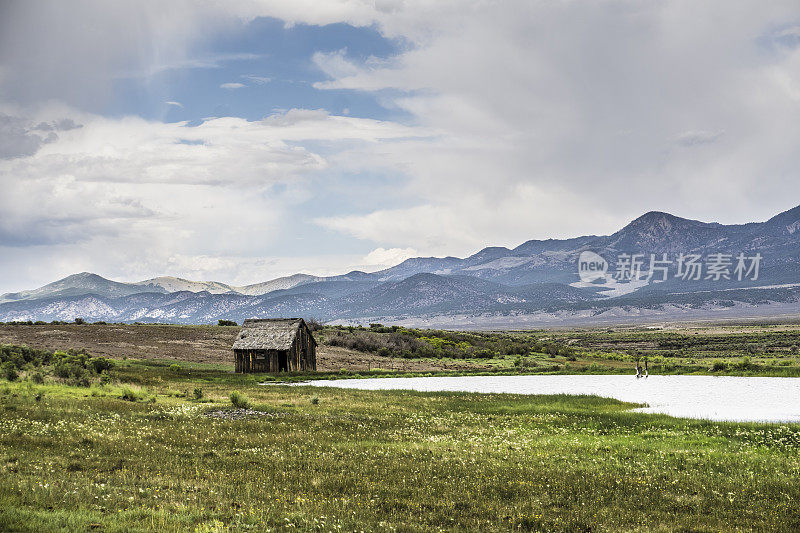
(336, 65)
(173, 103)
(258, 80)
(579, 104)
(386, 257)
(46, 51)
(529, 119)
(128, 195)
(232, 85)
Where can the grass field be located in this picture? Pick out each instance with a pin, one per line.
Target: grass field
(173, 456)
(769, 350)
(154, 443)
(197, 344)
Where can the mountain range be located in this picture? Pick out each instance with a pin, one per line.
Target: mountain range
(536, 282)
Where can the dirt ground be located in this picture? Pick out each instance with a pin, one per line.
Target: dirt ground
(198, 344)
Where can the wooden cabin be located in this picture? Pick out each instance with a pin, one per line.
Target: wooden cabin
(275, 345)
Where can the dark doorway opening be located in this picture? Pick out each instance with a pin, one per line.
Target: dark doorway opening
(283, 361)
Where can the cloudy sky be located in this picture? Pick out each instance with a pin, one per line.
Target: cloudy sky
(243, 140)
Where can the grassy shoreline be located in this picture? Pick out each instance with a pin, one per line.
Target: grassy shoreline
(318, 459)
(295, 377)
(220, 370)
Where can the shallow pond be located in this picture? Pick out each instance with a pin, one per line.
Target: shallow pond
(756, 399)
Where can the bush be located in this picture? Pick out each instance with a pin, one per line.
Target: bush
(198, 393)
(37, 377)
(397, 341)
(80, 321)
(9, 371)
(239, 400)
(174, 368)
(130, 394)
(314, 401)
(523, 362)
(227, 323)
(718, 365)
(100, 364)
(314, 324)
(68, 370)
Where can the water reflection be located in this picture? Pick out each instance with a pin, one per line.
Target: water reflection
(756, 399)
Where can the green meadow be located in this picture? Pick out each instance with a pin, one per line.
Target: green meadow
(156, 446)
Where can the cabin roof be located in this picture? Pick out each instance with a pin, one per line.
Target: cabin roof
(268, 333)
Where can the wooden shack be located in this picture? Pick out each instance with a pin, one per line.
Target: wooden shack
(275, 345)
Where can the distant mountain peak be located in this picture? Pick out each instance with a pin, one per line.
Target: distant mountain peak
(175, 284)
(83, 275)
(664, 221)
(657, 230)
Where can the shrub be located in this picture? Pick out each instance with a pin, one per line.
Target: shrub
(80, 321)
(314, 324)
(314, 401)
(483, 354)
(198, 393)
(100, 364)
(718, 365)
(174, 368)
(67, 370)
(222, 322)
(239, 400)
(37, 377)
(9, 371)
(130, 394)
